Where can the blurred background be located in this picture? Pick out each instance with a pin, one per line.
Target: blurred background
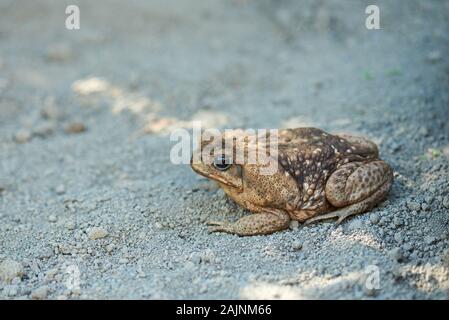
(243, 63)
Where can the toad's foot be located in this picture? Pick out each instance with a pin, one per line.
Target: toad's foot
(254, 224)
(340, 214)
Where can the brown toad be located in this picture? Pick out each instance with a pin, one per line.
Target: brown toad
(318, 176)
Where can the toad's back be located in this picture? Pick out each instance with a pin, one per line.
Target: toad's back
(311, 155)
(312, 149)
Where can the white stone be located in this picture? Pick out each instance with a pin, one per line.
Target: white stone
(294, 225)
(70, 225)
(60, 189)
(110, 247)
(297, 245)
(95, 233)
(22, 136)
(9, 269)
(40, 293)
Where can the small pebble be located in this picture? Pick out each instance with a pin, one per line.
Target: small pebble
(70, 225)
(374, 218)
(46, 253)
(60, 189)
(397, 222)
(90, 86)
(408, 246)
(43, 130)
(50, 274)
(434, 56)
(446, 257)
(16, 280)
(430, 240)
(297, 245)
(446, 202)
(110, 247)
(398, 237)
(413, 205)
(207, 256)
(9, 269)
(424, 131)
(40, 293)
(95, 233)
(11, 291)
(396, 254)
(22, 136)
(294, 225)
(75, 127)
(195, 258)
(52, 218)
(383, 221)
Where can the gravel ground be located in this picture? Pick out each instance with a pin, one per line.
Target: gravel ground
(87, 189)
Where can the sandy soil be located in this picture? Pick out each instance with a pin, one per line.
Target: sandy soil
(87, 189)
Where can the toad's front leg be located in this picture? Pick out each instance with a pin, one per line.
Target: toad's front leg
(266, 222)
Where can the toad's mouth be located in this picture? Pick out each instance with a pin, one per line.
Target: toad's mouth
(219, 179)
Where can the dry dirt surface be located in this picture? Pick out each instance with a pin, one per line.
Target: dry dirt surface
(92, 208)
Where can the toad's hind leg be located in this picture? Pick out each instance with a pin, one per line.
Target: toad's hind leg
(254, 224)
(355, 208)
(355, 188)
(363, 146)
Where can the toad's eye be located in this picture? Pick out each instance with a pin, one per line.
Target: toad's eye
(222, 163)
